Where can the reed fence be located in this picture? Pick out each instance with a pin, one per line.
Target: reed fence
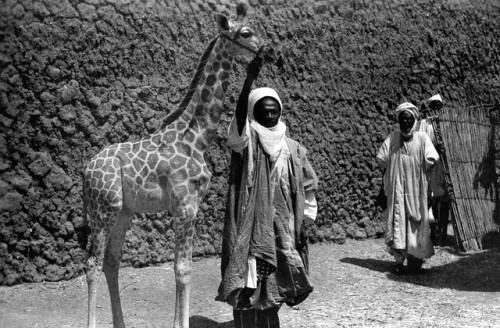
(467, 137)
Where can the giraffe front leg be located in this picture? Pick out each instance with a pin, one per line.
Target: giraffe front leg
(111, 266)
(184, 232)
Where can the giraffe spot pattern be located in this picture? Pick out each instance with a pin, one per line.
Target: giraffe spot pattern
(215, 113)
(182, 174)
(197, 156)
(200, 145)
(181, 191)
(115, 188)
(200, 110)
(156, 140)
(142, 154)
(189, 136)
(224, 76)
(109, 176)
(180, 126)
(152, 160)
(165, 151)
(163, 167)
(216, 66)
(136, 147)
(206, 171)
(179, 178)
(226, 66)
(108, 184)
(202, 121)
(177, 162)
(144, 172)
(219, 94)
(146, 144)
(97, 175)
(152, 178)
(125, 147)
(193, 168)
(109, 169)
(163, 181)
(183, 149)
(193, 126)
(206, 95)
(137, 164)
(211, 80)
(169, 137)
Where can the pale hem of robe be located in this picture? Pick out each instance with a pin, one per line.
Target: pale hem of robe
(405, 184)
(238, 143)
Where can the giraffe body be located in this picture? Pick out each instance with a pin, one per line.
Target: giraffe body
(165, 172)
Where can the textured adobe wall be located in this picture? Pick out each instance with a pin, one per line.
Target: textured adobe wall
(78, 75)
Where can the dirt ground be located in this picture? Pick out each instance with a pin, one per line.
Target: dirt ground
(354, 287)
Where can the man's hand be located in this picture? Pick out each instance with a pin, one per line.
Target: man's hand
(303, 236)
(440, 148)
(381, 199)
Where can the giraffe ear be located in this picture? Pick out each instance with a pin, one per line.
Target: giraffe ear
(223, 23)
(241, 11)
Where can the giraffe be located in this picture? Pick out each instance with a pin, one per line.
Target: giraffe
(164, 172)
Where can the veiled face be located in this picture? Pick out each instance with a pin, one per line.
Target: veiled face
(267, 112)
(406, 122)
(435, 105)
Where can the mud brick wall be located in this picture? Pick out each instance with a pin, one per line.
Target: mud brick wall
(76, 76)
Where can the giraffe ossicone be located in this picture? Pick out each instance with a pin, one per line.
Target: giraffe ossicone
(164, 172)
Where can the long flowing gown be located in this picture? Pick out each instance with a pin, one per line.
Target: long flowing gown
(407, 166)
(263, 219)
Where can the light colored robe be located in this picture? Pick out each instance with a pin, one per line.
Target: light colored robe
(406, 186)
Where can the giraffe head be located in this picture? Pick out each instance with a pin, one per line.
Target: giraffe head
(242, 35)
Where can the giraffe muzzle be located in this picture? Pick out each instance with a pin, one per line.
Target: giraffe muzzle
(268, 53)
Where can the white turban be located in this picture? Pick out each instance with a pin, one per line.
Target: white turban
(435, 98)
(259, 93)
(407, 107)
(272, 139)
(413, 110)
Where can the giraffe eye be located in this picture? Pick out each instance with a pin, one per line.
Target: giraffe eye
(246, 34)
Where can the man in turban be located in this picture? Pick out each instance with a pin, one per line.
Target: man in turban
(270, 203)
(440, 203)
(406, 156)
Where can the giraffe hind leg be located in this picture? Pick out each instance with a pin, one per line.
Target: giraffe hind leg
(111, 266)
(93, 271)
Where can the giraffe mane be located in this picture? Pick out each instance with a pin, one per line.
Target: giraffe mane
(171, 117)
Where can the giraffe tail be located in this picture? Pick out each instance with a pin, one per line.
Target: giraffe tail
(84, 230)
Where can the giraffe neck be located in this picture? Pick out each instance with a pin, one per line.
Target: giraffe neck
(199, 113)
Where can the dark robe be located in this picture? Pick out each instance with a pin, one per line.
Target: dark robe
(258, 224)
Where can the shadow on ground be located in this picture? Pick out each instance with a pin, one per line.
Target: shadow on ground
(197, 321)
(477, 272)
